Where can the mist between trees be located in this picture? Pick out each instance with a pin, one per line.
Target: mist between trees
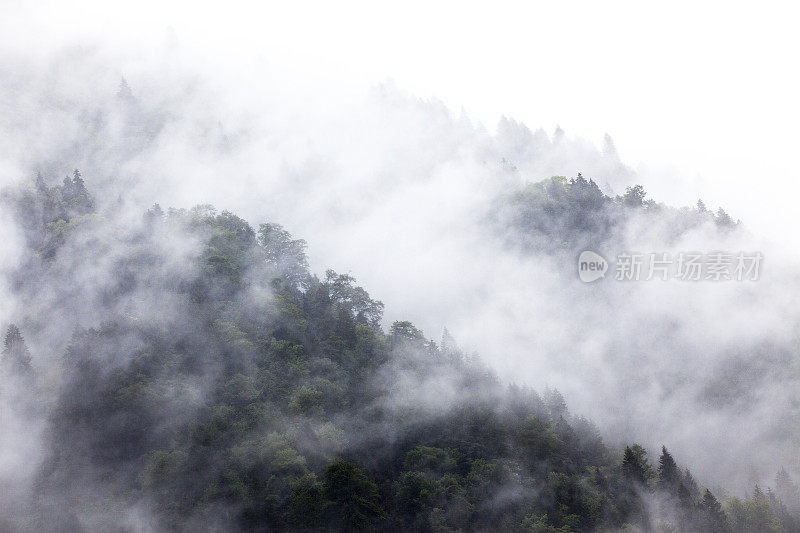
(189, 368)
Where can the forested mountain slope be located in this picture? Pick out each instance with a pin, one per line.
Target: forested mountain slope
(561, 214)
(184, 370)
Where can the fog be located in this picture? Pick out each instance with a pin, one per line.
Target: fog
(399, 191)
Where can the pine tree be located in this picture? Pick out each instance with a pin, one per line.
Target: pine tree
(691, 485)
(669, 476)
(558, 135)
(13, 337)
(77, 181)
(41, 186)
(154, 215)
(15, 351)
(712, 517)
(555, 404)
(774, 502)
(634, 464)
(67, 188)
(723, 219)
(609, 148)
(124, 93)
(449, 346)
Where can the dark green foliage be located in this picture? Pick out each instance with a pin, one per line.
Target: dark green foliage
(296, 380)
(286, 255)
(557, 212)
(711, 516)
(574, 214)
(48, 214)
(635, 465)
(754, 514)
(669, 476)
(352, 500)
(239, 391)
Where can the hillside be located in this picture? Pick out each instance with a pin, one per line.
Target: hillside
(183, 370)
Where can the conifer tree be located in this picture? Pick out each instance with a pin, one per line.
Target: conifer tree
(634, 464)
(77, 181)
(669, 476)
(691, 485)
(712, 517)
(15, 351)
(41, 186)
(124, 92)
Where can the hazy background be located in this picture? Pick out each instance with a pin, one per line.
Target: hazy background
(701, 95)
(375, 134)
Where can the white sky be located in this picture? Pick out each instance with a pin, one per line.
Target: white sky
(705, 91)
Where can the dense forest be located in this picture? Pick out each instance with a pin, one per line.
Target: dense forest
(203, 378)
(561, 214)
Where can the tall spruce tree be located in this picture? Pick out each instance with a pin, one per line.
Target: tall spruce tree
(634, 464)
(15, 351)
(711, 516)
(669, 476)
